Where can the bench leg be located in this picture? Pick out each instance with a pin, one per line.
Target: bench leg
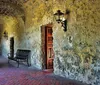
(28, 63)
(18, 63)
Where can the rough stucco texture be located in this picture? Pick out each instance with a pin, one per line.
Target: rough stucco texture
(77, 51)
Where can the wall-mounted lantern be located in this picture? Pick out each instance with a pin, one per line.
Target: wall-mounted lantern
(62, 18)
(5, 34)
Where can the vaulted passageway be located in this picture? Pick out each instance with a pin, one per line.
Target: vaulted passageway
(11, 26)
(12, 18)
(77, 51)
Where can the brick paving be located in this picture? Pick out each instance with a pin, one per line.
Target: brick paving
(11, 75)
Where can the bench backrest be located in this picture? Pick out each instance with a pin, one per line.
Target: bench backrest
(21, 53)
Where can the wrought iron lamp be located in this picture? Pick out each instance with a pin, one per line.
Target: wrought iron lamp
(5, 34)
(62, 18)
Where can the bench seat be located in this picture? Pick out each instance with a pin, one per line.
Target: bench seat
(20, 56)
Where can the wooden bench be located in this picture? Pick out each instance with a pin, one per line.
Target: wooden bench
(21, 55)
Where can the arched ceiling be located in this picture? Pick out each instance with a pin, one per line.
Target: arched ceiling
(12, 7)
(17, 7)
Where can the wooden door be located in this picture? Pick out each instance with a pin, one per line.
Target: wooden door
(47, 45)
(12, 47)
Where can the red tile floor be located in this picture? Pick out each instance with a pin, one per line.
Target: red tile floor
(11, 75)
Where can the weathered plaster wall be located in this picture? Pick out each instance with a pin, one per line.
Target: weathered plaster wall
(77, 51)
(39, 15)
(1, 29)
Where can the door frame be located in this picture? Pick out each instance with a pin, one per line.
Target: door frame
(43, 45)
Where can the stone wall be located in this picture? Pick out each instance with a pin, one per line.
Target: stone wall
(77, 50)
(77, 54)
(32, 40)
(1, 28)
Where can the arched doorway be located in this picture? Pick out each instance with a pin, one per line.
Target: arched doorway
(47, 46)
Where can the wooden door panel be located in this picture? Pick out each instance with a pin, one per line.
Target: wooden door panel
(50, 64)
(50, 56)
(47, 45)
